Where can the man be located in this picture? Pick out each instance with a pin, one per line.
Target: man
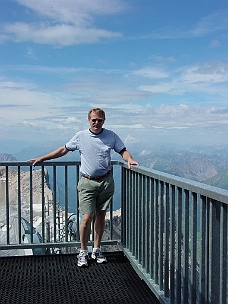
(96, 187)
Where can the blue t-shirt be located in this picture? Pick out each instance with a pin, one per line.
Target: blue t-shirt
(95, 150)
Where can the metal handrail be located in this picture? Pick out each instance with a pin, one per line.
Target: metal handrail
(17, 219)
(175, 233)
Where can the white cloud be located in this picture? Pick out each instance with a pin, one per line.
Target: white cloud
(71, 120)
(62, 34)
(69, 22)
(161, 88)
(66, 127)
(116, 88)
(130, 140)
(203, 78)
(145, 152)
(214, 72)
(150, 72)
(31, 54)
(30, 125)
(65, 106)
(217, 21)
(12, 85)
(214, 43)
(74, 11)
(136, 126)
(157, 127)
(164, 59)
(184, 116)
(20, 102)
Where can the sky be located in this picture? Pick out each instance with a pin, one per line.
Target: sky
(158, 68)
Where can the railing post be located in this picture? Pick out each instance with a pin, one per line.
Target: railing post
(138, 207)
(77, 202)
(156, 231)
(7, 206)
(152, 212)
(167, 242)
(194, 248)
(178, 246)
(186, 247)
(223, 254)
(31, 204)
(203, 248)
(43, 203)
(66, 205)
(19, 203)
(123, 206)
(54, 202)
(214, 282)
(147, 224)
(161, 235)
(133, 205)
(172, 243)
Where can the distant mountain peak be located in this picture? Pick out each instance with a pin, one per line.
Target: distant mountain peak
(7, 157)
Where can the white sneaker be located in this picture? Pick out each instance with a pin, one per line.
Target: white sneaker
(98, 256)
(83, 259)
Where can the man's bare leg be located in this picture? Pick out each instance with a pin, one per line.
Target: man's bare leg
(99, 227)
(85, 230)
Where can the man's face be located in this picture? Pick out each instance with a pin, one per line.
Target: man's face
(96, 122)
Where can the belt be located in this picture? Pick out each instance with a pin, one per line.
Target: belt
(96, 177)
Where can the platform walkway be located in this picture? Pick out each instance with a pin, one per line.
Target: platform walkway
(57, 279)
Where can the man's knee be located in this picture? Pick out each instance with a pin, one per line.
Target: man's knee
(86, 219)
(100, 215)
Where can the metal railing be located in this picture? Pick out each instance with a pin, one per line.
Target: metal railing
(173, 230)
(45, 198)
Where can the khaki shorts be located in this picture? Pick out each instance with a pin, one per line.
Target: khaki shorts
(95, 195)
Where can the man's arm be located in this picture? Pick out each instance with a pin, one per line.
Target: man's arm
(128, 158)
(61, 151)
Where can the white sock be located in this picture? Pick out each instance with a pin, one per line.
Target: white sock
(95, 249)
(83, 251)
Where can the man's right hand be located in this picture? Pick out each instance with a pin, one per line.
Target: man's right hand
(35, 161)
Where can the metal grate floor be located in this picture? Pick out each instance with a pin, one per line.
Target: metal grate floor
(58, 279)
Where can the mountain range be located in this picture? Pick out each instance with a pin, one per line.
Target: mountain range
(208, 165)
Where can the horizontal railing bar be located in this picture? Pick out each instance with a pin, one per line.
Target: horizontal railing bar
(54, 245)
(46, 163)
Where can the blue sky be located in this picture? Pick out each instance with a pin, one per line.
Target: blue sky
(158, 68)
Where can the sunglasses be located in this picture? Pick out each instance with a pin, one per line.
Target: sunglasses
(97, 119)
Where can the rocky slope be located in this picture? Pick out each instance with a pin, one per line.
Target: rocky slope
(25, 187)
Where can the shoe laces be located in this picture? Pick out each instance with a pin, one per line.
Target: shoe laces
(98, 253)
(83, 254)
